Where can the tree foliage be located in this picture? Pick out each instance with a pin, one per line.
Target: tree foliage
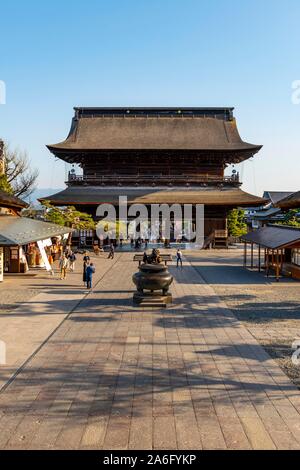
(236, 223)
(20, 177)
(69, 217)
(291, 218)
(4, 185)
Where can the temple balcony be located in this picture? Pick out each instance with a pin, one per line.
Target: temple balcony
(152, 180)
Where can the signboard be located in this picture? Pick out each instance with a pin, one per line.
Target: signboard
(1, 264)
(14, 253)
(47, 242)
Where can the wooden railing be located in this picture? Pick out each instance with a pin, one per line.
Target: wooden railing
(155, 180)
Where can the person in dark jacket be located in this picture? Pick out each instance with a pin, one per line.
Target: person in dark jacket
(72, 259)
(89, 275)
(86, 261)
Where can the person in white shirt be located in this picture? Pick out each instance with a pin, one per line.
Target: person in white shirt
(179, 257)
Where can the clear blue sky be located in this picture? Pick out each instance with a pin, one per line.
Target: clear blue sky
(244, 53)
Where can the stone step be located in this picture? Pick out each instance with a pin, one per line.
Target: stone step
(148, 300)
(152, 305)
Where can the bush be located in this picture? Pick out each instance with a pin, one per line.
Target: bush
(236, 223)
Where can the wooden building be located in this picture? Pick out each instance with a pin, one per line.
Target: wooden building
(19, 234)
(155, 156)
(278, 250)
(22, 242)
(11, 205)
(269, 213)
(292, 201)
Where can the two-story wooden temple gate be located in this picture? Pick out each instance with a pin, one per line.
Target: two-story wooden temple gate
(155, 156)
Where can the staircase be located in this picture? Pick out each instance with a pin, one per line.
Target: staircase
(220, 239)
(216, 239)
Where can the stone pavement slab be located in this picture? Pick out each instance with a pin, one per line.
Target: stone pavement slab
(268, 309)
(115, 376)
(24, 329)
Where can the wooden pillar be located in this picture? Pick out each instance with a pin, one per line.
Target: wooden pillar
(252, 245)
(259, 258)
(267, 262)
(277, 266)
(245, 254)
(281, 260)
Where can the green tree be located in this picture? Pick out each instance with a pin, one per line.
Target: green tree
(4, 185)
(236, 223)
(291, 218)
(68, 217)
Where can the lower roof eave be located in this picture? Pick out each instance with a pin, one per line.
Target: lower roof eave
(229, 204)
(93, 195)
(93, 203)
(18, 231)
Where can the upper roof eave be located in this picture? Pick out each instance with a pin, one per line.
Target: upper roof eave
(164, 129)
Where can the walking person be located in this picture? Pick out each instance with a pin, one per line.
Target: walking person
(111, 254)
(86, 261)
(96, 250)
(90, 270)
(68, 252)
(63, 266)
(179, 257)
(51, 262)
(72, 259)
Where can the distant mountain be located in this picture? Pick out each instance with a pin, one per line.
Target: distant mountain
(38, 193)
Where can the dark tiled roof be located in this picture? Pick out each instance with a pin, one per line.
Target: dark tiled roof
(266, 214)
(163, 129)
(276, 196)
(7, 200)
(273, 237)
(94, 195)
(290, 202)
(16, 230)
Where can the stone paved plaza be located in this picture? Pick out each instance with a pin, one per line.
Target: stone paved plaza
(269, 310)
(101, 373)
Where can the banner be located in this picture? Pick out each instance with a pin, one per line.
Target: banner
(40, 244)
